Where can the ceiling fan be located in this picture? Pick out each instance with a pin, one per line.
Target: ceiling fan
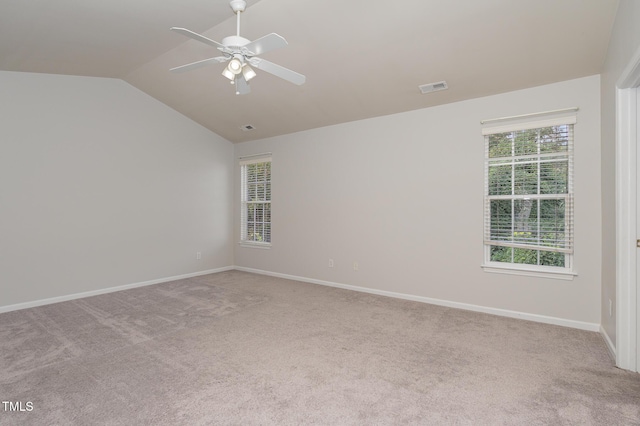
(242, 54)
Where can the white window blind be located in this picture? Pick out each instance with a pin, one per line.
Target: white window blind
(528, 213)
(255, 216)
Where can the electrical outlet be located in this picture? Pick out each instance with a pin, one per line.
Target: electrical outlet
(330, 263)
(355, 266)
(198, 255)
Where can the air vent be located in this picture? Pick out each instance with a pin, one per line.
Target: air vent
(247, 128)
(433, 87)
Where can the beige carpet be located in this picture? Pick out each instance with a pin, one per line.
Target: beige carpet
(238, 348)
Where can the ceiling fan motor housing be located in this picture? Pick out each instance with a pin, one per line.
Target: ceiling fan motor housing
(235, 42)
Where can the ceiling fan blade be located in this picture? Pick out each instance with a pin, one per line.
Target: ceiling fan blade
(278, 71)
(265, 44)
(242, 87)
(198, 37)
(194, 65)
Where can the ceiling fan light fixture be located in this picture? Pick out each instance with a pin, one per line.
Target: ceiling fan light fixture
(248, 72)
(235, 66)
(231, 76)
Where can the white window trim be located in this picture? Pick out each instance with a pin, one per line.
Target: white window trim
(255, 245)
(253, 159)
(528, 270)
(525, 122)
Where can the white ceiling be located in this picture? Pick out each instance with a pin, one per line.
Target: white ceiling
(362, 58)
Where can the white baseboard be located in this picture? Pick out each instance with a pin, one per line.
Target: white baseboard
(65, 298)
(609, 343)
(476, 308)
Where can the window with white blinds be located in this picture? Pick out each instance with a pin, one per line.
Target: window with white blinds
(255, 216)
(528, 213)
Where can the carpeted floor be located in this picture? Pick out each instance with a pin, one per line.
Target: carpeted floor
(238, 348)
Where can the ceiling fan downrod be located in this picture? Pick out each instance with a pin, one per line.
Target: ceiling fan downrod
(238, 7)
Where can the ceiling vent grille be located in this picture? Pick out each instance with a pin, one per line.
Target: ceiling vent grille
(247, 128)
(433, 87)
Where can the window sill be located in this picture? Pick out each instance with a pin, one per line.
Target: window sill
(264, 246)
(530, 272)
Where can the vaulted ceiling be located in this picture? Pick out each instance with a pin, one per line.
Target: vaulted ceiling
(362, 58)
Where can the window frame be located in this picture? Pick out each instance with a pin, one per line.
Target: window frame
(521, 123)
(245, 203)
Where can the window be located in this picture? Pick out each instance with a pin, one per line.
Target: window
(256, 201)
(528, 214)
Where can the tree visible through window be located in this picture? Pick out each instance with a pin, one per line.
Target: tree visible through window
(256, 201)
(528, 196)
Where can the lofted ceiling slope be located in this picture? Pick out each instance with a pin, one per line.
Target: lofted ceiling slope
(362, 58)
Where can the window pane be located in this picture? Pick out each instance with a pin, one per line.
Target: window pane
(260, 192)
(267, 212)
(526, 179)
(500, 145)
(554, 177)
(501, 228)
(258, 232)
(526, 142)
(549, 258)
(554, 139)
(552, 223)
(525, 216)
(501, 254)
(267, 232)
(525, 256)
(251, 173)
(500, 180)
(251, 192)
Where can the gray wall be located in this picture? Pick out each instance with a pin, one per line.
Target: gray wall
(625, 41)
(103, 186)
(402, 195)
